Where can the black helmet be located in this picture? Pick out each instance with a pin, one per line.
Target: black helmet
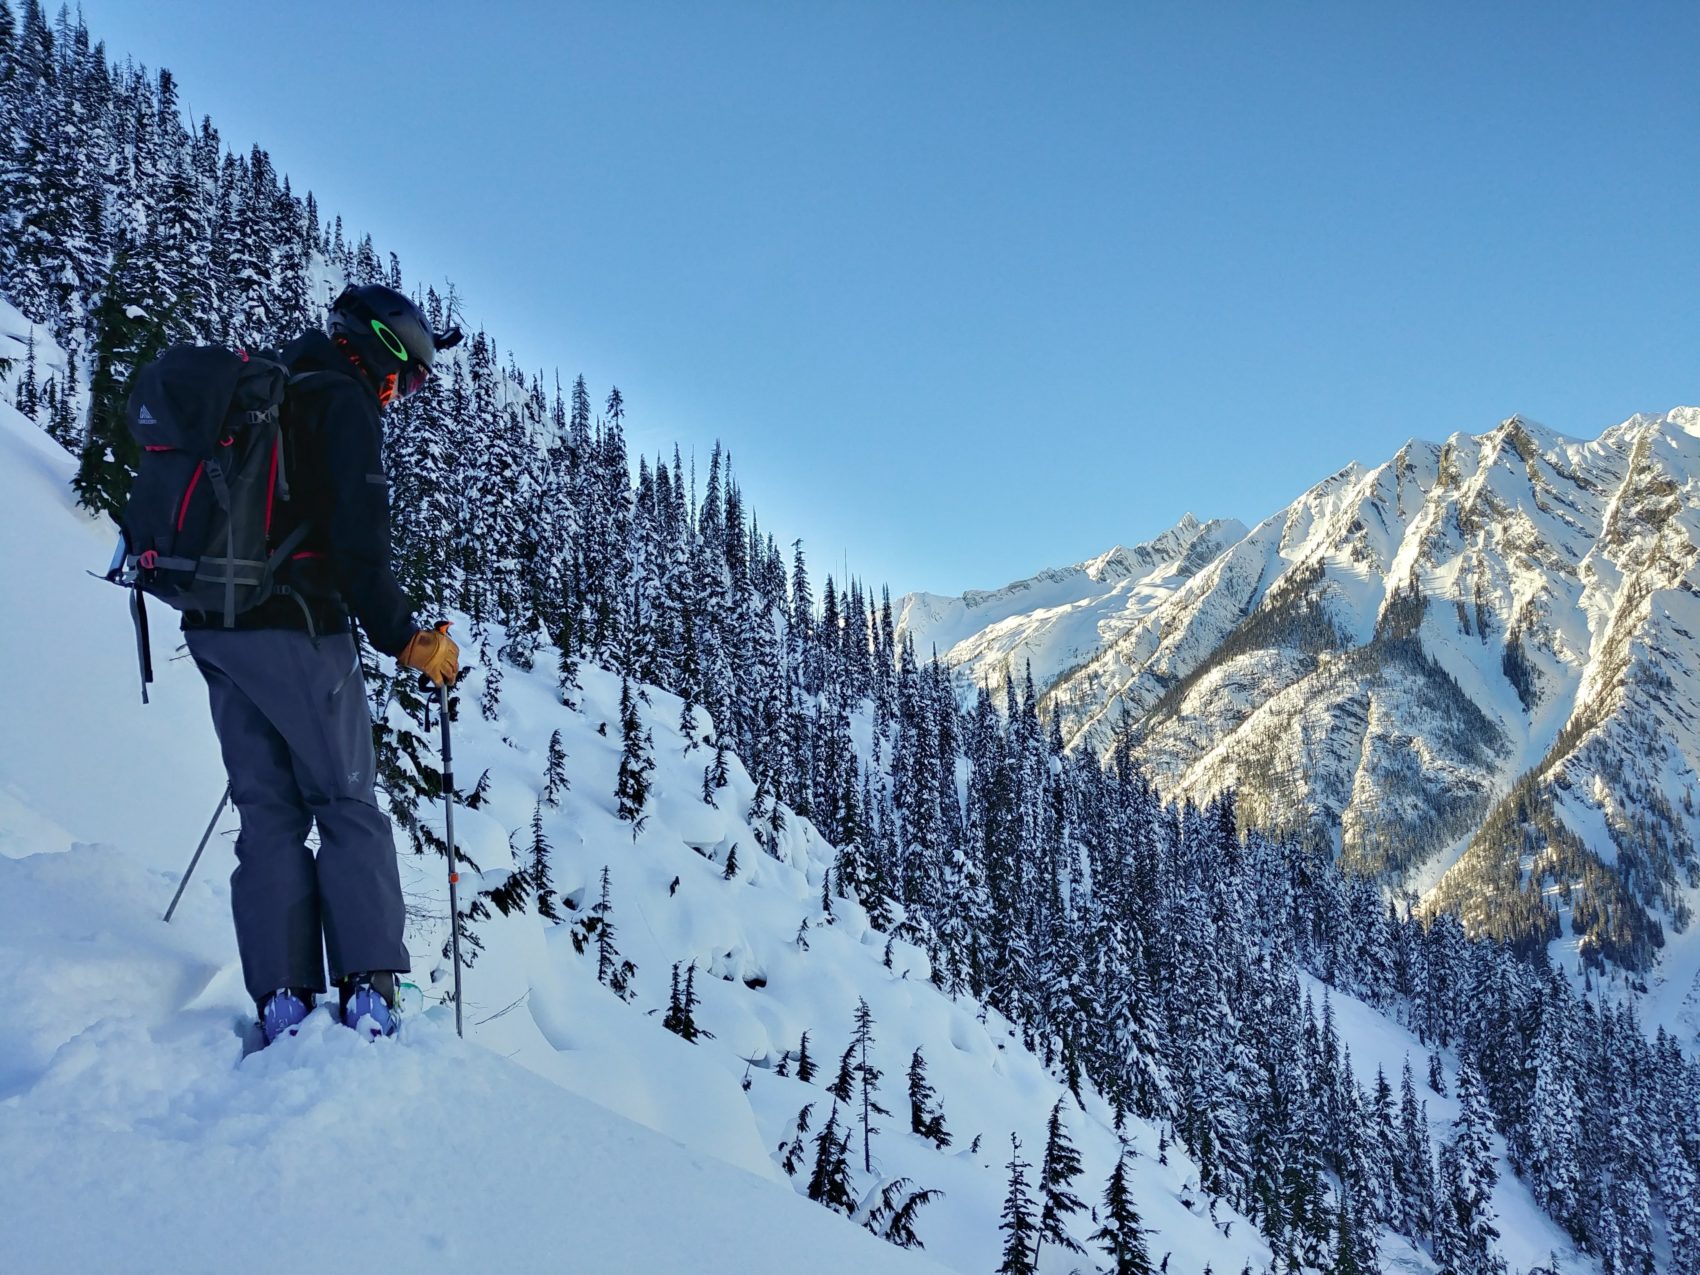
(389, 338)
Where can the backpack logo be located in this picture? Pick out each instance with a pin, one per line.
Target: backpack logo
(145, 417)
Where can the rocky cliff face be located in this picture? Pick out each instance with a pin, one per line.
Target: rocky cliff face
(1472, 669)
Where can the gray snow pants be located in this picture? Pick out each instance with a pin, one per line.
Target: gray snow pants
(296, 735)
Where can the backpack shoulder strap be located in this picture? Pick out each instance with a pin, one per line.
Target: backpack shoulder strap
(309, 380)
(297, 382)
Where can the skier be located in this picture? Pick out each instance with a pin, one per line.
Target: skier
(288, 695)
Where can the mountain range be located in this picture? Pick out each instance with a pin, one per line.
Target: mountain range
(1470, 669)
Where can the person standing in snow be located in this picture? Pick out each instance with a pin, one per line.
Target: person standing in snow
(288, 696)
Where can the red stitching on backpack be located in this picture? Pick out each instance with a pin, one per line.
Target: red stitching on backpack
(183, 510)
(271, 485)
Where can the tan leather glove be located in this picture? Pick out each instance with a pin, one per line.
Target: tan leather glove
(434, 653)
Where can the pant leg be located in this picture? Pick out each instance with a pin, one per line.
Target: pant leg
(315, 697)
(274, 891)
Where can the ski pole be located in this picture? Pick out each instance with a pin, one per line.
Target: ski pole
(449, 833)
(205, 837)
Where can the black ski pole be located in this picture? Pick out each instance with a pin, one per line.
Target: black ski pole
(449, 834)
(205, 837)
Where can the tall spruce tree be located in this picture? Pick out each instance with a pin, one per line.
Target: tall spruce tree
(1058, 1169)
(1120, 1235)
(555, 780)
(1020, 1229)
(925, 1117)
(868, 1078)
(541, 880)
(636, 761)
(1469, 1173)
(613, 970)
(830, 1182)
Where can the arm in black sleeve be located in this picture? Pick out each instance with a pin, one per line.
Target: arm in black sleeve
(359, 519)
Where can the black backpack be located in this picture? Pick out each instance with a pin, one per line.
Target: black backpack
(212, 469)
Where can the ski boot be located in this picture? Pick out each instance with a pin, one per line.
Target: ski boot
(368, 1003)
(283, 1012)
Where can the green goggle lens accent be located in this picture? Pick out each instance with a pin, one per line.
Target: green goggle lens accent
(390, 339)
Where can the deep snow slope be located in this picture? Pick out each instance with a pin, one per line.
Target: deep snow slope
(1381, 662)
(569, 1129)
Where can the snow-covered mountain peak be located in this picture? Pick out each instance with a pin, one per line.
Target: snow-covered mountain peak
(1054, 617)
(1380, 662)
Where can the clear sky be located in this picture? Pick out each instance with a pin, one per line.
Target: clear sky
(971, 289)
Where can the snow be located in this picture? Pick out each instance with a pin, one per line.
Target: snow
(1528, 1237)
(1056, 619)
(88, 772)
(1587, 550)
(568, 1128)
(326, 1152)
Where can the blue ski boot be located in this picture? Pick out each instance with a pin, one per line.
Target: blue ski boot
(283, 1012)
(368, 1003)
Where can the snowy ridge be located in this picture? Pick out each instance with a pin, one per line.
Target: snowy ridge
(1057, 618)
(1383, 661)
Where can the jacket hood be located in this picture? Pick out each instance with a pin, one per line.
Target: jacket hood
(316, 352)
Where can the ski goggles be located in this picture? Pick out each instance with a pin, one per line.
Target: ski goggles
(411, 379)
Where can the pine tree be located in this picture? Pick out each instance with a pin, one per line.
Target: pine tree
(26, 388)
(731, 864)
(567, 686)
(792, 1159)
(690, 679)
(867, 1080)
(1021, 1232)
(511, 896)
(843, 1086)
(1058, 1169)
(540, 876)
(632, 786)
(688, 1008)
(555, 781)
(1436, 1074)
(1348, 1242)
(678, 1018)
(1120, 1235)
(1414, 1161)
(924, 1118)
(612, 970)
(892, 1216)
(130, 331)
(830, 1183)
(1469, 1173)
(806, 1069)
(490, 695)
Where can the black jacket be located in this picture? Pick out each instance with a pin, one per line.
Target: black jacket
(335, 472)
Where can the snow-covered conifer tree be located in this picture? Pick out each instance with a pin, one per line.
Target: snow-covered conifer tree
(1058, 1169)
(1020, 1229)
(1120, 1235)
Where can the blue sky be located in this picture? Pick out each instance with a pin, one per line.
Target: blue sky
(970, 289)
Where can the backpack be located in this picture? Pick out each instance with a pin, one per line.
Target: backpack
(211, 469)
